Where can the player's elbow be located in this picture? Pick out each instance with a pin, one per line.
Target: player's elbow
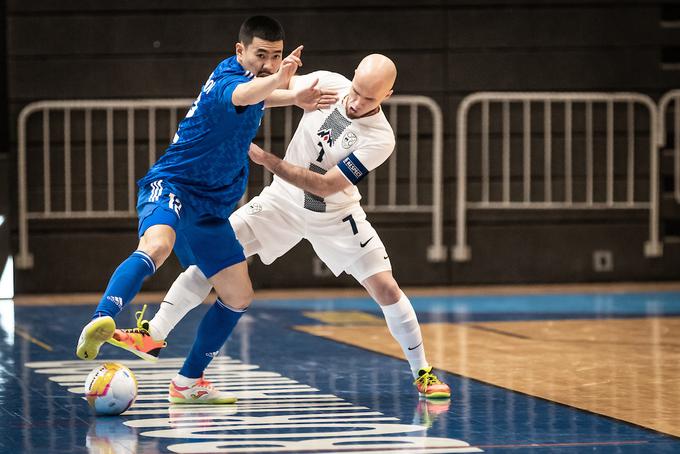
(238, 100)
(327, 188)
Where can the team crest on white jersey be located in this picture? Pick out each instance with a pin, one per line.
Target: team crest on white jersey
(348, 140)
(326, 135)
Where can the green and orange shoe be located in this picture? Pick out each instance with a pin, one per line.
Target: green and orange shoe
(138, 340)
(201, 392)
(429, 386)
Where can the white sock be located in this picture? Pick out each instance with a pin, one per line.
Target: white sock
(188, 291)
(181, 380)
(403, 324)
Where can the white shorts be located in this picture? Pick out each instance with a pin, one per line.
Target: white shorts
(344, 240)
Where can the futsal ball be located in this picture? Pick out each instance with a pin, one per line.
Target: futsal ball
(110, 389)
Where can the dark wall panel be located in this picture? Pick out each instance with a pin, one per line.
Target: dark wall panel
(182, 33)
(548, 26)
(445, 49)
(5, 122)
(554, 70)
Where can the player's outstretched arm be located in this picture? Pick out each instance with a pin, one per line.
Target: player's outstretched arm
(258, 89)
(307, 98)
(321, 185)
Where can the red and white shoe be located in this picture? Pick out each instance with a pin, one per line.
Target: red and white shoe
(201, 392)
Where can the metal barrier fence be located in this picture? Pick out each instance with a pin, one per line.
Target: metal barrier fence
(567, 101)
(87, 209)
(664, 114)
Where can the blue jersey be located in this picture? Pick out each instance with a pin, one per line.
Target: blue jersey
(207, 161)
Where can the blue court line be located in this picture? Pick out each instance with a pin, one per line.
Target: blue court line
(601, 305)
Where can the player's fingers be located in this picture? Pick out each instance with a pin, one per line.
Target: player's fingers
(314, 82)
(328, 92)
(298, 51)
(289, 66)
(295, 60)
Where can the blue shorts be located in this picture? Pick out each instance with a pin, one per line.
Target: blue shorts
(203, 240)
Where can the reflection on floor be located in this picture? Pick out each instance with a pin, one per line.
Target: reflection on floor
(628, 369)
(547, 373)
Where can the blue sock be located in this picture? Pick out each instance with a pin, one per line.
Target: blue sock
(125, 284)
(213, 332)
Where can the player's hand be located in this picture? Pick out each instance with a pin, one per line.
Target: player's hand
(257, 154)
(289, 66)
(312, 98)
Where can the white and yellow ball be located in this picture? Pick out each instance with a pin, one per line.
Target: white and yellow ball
(110, 389)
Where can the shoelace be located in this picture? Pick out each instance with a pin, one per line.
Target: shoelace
(204, 383)
(136, 330)
(427, 379)
(139, 315)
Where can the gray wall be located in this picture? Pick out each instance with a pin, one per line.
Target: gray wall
(444, 49)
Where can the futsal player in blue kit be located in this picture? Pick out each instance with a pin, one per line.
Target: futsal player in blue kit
(185, 199)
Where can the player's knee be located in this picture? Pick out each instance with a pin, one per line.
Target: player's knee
(388, 292)
(157, 248)
(239, 300)
(157, 242)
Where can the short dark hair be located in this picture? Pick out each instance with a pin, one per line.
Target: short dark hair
(263, 27)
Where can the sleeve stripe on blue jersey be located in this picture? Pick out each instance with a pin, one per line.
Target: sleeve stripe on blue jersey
(353, 169)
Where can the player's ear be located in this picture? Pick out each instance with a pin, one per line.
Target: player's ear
(388, 95)
(240, 49)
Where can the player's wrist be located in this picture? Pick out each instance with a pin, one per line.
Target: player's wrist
(281, 80)
(297, 98)
(274, 163)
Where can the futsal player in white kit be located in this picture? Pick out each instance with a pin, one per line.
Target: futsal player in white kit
(314, 196)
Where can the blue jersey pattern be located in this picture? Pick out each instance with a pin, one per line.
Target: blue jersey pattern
(207, 161)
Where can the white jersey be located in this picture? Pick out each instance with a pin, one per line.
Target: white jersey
(326, 138)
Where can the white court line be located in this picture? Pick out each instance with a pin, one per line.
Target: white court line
(273, 414)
